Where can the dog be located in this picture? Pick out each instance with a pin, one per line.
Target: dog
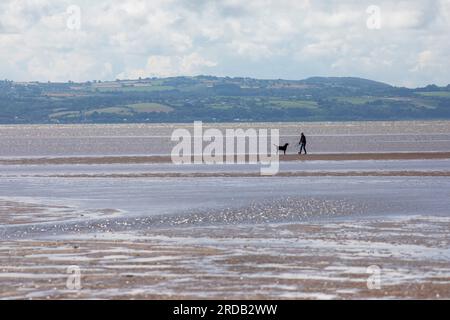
(282, 148)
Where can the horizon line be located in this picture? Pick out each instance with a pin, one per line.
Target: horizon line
(219, 77)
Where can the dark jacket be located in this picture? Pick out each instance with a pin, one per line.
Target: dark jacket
(303, 140)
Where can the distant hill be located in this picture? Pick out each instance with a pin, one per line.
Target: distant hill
(346, 82)
(219, 99)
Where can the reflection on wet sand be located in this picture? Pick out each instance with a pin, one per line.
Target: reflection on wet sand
(226, 233)
(167, 159)
(298, 260)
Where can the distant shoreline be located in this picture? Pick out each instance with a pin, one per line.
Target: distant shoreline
(167, 159)
(220, 99)
(211, 123)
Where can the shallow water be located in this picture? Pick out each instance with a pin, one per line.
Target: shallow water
(224, 237)
(49, 170)
(149, 203)
(154, 139)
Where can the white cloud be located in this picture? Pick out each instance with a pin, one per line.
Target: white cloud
(425, 59)
(259, 38)
(167, 66)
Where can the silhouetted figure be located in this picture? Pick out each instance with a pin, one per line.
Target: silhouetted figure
(282, 148)
(302, 144)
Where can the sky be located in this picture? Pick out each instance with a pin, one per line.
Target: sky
(403, 43)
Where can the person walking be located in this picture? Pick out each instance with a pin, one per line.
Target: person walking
(302, 144)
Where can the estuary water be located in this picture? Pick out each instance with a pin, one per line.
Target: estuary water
(155, 139)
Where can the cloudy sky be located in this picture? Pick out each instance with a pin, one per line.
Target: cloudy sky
(403, 43)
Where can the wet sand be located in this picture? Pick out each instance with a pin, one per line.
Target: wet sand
(250, 174)
(311, 260)
(167, 159)
(316, 243)
(244, 253)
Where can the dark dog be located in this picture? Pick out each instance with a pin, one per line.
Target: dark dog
(282, 148)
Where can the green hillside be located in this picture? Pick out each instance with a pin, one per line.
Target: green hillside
(214, 99)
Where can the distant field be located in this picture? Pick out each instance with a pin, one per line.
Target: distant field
(439, 94)
(220, 106)
(64, 114)
(133, 108)
(149, 107)
(113, 110)
(152, 88)
(289, 104)
(417, 102)
(357, 100)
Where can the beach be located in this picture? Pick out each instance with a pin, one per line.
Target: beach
(243, 151)
(282, 261)
(327, 226)
(167, 159)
